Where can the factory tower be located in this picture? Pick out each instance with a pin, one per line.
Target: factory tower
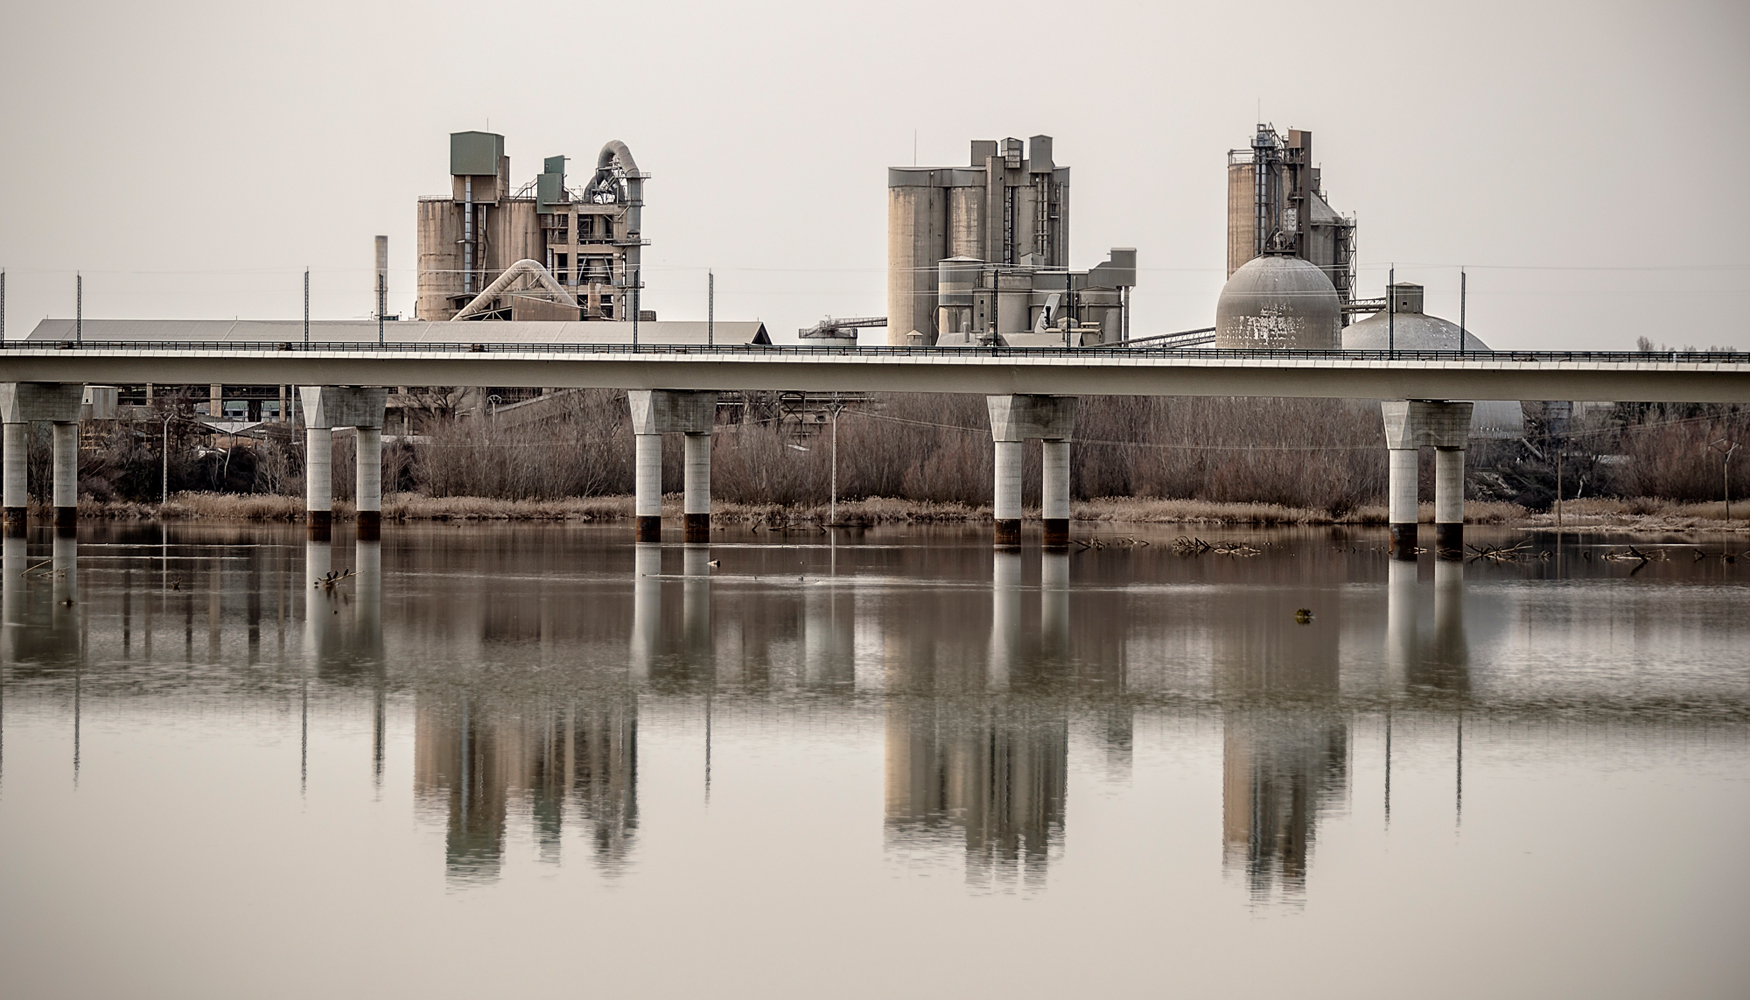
(584, 243)
(980, 254)
(1276, 204)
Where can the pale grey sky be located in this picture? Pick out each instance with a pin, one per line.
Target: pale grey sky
(192, 158)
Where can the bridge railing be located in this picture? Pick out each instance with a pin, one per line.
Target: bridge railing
(809, 350)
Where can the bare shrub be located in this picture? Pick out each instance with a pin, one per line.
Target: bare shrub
(580, 446)
(1670, 452)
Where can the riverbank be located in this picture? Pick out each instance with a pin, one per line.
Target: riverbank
(1639, 514)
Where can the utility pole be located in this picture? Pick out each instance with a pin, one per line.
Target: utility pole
(1461, 296)
(306, 308)
(78, 308)
(1391, 311)
(2, 308)
(832, 511)
(637, 283)
(164, 481)
(710, 309)
(1725, 470)
(1561, 453)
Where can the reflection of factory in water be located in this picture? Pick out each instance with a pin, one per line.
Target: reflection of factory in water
(475, 764)
(981, 685)
(991, 771)
(978, 745)
(1285, 755)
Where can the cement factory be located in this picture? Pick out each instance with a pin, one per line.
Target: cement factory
(540, 284)
(580, 247)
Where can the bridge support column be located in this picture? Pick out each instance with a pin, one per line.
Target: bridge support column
(24, 403)
(656, 412)
(647, 495)
(1401, 502)
(1055, 505)
(1410, 425)
(369, 479)
(66, 487)
(697, 501)
(319, 480)
(1449, 503)
(1014, 420)
(325, 408)
(1007, 502)
(17, 487)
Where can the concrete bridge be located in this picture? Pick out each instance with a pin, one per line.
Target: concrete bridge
(1676, 377)
(1031, 394)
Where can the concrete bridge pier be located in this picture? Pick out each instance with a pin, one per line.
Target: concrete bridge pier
(1410, 425)
(17, 487)
(696, 501)
(66, 486)
(25, 403)
(647, 486)
(1014, 420)
(656, 412)
(325, 408)
(368, 453)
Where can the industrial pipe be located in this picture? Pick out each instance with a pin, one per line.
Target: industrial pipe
(512, 273)
(602, 184)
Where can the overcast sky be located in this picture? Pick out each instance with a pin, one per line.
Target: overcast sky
(1584, 161)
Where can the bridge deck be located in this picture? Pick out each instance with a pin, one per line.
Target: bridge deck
(1667, 377)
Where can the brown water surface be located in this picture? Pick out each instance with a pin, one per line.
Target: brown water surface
(506, 759)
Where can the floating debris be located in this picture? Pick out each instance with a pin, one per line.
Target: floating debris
(327, 580)
(1499, 553)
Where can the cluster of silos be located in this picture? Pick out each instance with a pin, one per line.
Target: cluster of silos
(1009, 206)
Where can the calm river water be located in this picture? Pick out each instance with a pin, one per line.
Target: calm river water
(890, 763)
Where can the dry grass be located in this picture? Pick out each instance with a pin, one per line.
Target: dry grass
(1645, 514)
(415, 507)
(869, 511)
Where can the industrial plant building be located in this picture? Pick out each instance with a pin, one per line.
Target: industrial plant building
(1276, 203)
(980, 255)
(542, 251)
(1290, 256)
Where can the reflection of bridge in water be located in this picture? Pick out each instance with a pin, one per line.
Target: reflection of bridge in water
(523, 706)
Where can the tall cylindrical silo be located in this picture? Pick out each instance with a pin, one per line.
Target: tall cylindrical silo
(966, 221)
(915, 242)
(1241, 215)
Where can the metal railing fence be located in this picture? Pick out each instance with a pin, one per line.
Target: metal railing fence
(1067, 356)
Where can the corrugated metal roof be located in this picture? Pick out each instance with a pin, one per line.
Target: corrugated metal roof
(219, 331)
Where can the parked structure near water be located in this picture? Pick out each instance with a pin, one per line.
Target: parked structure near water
(585, 242)
(980, 255)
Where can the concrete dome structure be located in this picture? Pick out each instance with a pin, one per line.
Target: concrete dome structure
(1413, 330)
(1409, 332)
(1279, 302)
